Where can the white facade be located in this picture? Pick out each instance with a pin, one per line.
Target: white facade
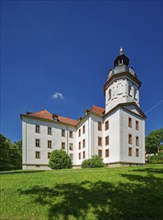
(116, 133)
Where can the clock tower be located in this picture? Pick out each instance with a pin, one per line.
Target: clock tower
(122, 85)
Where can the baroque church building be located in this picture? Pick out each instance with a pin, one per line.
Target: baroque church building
(116, 133)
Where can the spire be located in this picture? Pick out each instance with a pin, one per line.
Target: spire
(121, 51)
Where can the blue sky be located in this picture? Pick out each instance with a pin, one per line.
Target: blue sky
(55, 55)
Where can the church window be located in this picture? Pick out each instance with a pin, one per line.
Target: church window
(71, 146)
(129, 151)
(106, 125)
(63, 133)
(107, 153)
(37, 142)
(37, 154)
(37, 128)
(137, 125)
(109, 94)
(100, 153)
(79, 156)
(84, 143)
(49, 130)
(49, 154)
(71, 134)
(99, 141)
(49, 144)
(63, 145)
(83, 154)
(99, 126)
(106, 140)
(130, 138)
(137, 141)
(130, 122)
(137, 152)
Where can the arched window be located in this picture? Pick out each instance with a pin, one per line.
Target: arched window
(109, 94)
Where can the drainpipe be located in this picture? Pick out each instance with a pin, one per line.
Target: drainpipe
(67, 141)
(26, 145)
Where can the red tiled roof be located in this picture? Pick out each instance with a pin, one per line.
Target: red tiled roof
(44, 114)
(67, 120)
(97, 110)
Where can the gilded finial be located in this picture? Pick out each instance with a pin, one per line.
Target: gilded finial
(121, 51)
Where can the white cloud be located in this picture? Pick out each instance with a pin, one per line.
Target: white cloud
(57, 95)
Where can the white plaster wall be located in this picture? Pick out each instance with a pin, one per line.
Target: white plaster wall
(95, 133)
(119, 93)
(124, 145)
(114, 137)
(29, 136)
(80, 139)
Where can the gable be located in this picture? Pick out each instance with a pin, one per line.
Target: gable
(134, 108)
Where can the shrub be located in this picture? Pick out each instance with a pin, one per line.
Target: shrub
(60, 160)
(94, 162)
(156, 159)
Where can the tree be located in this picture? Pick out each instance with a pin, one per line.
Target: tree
(94, 162)
(10, 154)
(60, 160)
(15, 155)
(154, 141)
(4, 153)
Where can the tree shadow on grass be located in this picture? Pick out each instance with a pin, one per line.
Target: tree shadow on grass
(142, 198)
(150, 170)
(20, 172)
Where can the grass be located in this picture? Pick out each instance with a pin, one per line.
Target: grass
(86, 194)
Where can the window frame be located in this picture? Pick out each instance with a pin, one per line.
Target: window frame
(137, 140)
(71, 146)
(63, 133)
(37, 129)
(49, 141)
(137, 152)
(107, 125)
(100, 153)
(83, 143)
(63, 143)
(107, 153)
(107, 140)
(37, 155)
(83, 154)
(100, 141)
(49, 153)
(129, 122)
(129, 138)
(83, 129)
(130, 151)
(50, 129)
(137, 125)
(70, 134)
(37, 139)
(99, 126)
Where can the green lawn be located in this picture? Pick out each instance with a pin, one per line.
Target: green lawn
(105, 193)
